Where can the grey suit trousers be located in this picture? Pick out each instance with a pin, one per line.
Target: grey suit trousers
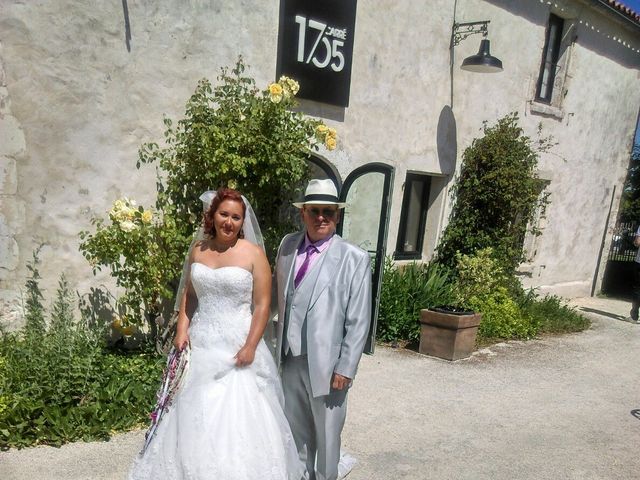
(316, 423)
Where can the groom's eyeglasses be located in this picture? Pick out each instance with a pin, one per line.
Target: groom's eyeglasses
(325, 212)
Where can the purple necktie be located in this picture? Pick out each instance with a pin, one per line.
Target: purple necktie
(305, 265)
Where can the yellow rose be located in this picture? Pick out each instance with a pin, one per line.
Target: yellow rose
(117, 323)
(275, 89)
(331, 132)
(322, 129)
(147, 216)
(330, 143)
(275, 92)
(232, 184)
(129, 213)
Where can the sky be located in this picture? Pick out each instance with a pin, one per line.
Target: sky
(635, 4)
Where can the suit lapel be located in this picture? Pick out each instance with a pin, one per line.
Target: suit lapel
(289, 260)
(329, 266)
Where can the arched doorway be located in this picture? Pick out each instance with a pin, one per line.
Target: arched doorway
(365, 222)
(321, 168)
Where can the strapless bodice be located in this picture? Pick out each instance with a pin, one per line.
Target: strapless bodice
(224, 305)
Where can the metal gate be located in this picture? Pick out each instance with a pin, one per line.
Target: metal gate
(622, 248)
(618, 275)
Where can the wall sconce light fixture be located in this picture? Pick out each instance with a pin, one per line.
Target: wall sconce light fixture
(483, 61)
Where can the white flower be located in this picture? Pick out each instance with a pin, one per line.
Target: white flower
(127, 226)
(122, 210)
(289, 86)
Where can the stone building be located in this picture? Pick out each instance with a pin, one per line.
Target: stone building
(84, 84)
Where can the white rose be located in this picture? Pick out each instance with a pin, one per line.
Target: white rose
(127, 226)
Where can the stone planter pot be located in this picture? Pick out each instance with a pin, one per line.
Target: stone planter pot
(448, 334)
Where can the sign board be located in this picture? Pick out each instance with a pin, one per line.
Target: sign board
(315, 47)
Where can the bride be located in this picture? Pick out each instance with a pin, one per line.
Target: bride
(227, 420)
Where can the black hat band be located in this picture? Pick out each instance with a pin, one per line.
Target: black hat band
(320, 196)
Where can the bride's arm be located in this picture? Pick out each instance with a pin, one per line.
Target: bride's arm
(261, 304)
(188, 305)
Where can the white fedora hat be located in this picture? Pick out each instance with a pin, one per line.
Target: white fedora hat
(320, 192)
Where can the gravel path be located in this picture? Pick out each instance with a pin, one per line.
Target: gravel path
(556, 408)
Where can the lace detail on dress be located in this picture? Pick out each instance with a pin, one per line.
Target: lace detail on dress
(224, 305)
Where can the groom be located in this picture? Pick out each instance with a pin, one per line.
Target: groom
(323, 287)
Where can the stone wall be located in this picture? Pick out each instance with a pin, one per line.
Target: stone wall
(593, 128)
(90, 82)
(12, 154)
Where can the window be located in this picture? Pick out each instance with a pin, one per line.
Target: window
(413, 216)
(554, 75)
(550, 57)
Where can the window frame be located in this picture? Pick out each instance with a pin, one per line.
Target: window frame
(558, 23)
(399, 254)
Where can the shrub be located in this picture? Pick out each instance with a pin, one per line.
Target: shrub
(233, 134)
(478, 275)
(34, 310)
(142, 249)
(553, 314)
(405, 291)
(496, 195)
(502, 317)
(59, 384)
(481, 285)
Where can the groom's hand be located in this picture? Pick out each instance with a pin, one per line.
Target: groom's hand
(340, 382)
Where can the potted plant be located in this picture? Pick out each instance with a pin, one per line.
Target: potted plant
(448, 332)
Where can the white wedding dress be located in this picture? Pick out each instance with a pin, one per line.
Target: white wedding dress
(226, 422)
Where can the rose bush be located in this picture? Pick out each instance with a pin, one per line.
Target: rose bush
(233, 134)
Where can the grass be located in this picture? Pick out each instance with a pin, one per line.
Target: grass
(555, 316)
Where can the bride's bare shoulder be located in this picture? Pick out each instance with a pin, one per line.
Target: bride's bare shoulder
(250, 249)
(199, 247)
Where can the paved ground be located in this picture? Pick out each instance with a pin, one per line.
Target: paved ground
(556, 408)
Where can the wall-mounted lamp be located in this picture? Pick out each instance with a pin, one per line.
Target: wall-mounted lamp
(483, 61)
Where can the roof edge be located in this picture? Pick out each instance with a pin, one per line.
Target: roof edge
(621, 10)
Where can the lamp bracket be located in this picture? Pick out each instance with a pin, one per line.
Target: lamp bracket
(464, 30)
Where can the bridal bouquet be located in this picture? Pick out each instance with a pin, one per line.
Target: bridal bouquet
(172, 379)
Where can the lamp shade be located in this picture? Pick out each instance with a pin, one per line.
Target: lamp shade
(483, 61)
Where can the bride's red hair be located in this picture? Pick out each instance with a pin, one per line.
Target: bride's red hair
(222, 194)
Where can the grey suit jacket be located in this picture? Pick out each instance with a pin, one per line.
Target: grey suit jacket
(338, 312)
